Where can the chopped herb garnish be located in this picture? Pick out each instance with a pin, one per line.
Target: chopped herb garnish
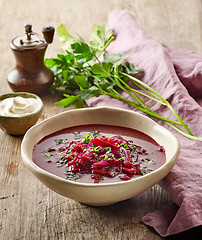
(95, 154)
(51, 149)
(47, 154)
(64, 156)
(95, 149)
(108, 150)
(87, 139)
(145, 170)
(126, 146)
(148, 160)
(61, 163)
(59, 153)
(96, 134)
(105, 157)
(63, 159)
(77, 136)
(61, 141)
(132, 152)
(71, 175)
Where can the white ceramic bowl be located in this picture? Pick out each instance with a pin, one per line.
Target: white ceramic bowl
(105, 193)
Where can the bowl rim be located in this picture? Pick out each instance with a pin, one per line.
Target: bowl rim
(32, 166)
(25, 95)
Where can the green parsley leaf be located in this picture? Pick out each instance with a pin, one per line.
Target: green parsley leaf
(90, 92)
(102, 70)
(79, 103)
(82, 81)
(116, 59)
(65, 38)
(99, 36)
(130, 69)
(68, 100)
(82, 51)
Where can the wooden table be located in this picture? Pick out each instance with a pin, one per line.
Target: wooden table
(29, 210)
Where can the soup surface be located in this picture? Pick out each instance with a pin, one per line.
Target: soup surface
(98, 153)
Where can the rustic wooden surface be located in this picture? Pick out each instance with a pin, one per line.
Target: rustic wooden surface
(28, 210)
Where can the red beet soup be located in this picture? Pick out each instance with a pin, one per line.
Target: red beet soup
(98, 153)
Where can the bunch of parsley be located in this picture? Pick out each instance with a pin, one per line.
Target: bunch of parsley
(81, 75)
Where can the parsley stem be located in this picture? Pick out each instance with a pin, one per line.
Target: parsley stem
(140, 106)
(105, 46)
(148, 111)
(168, 121)
(136, 92)
(166, 103)
(137, 98)
(144, 105)
(185, 134)
(116, 80)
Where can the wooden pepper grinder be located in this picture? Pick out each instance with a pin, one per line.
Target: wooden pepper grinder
(30, 73)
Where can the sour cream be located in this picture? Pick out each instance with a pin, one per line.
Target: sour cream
(18, 106)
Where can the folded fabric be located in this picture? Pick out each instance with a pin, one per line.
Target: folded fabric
(174, 74)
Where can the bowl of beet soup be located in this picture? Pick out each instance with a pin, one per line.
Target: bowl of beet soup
(99, 156)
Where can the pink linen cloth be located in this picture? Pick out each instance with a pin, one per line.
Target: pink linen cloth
(175, 75)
